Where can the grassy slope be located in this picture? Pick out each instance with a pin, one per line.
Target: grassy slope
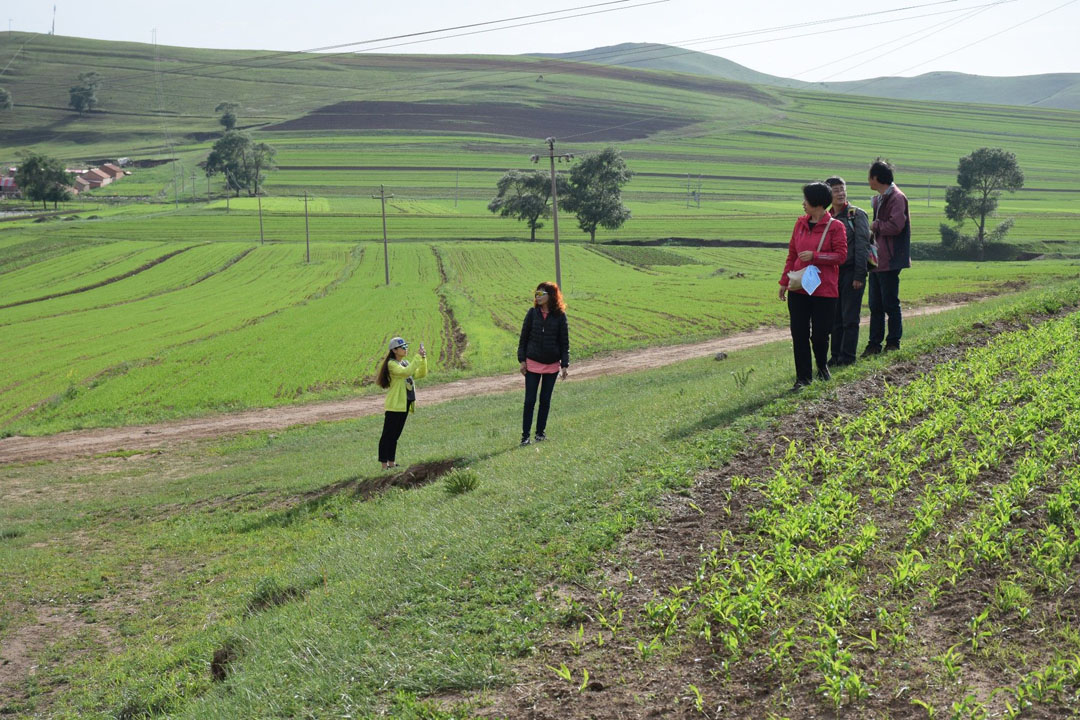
(140, 568)
(1050, 90)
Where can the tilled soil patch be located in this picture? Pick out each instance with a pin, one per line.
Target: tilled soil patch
(486, 119)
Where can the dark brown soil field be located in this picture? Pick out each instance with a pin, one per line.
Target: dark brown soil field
(484, 118)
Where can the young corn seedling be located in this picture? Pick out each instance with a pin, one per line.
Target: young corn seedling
(978, 634)
(950, 664)
(562, 671)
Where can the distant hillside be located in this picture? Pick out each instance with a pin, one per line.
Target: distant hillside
(1056, 90)
(650, 56)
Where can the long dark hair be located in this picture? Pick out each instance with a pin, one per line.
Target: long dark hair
(555, 302)
(382, 375)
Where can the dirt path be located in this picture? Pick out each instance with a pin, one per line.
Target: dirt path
(90, 442)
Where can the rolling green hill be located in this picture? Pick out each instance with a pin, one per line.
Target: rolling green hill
(1051, 90)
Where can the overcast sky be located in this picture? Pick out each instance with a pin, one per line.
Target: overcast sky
(1018, 37)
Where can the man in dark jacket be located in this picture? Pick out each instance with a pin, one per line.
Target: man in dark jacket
(891, 230)
(852, 278)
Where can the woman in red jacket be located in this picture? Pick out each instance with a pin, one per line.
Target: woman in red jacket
(816, 240)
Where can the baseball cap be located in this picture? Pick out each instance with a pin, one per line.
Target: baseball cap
(398, 343)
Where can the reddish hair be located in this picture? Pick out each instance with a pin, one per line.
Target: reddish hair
(555, 299)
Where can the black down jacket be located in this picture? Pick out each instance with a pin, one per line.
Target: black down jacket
(545, 341)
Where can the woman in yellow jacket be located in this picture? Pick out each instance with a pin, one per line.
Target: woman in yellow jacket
(397, 374)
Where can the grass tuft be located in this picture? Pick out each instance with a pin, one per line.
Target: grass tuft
(460, 481)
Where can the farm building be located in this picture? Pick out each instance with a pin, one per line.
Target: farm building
(8, 188)
(111, 170)
(96, 178)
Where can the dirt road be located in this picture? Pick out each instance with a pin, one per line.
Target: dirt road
(81, 443)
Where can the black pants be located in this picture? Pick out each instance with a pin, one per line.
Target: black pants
(393, 424)
(546, 383)
(845, 329)
(811, 320)
(885, 300)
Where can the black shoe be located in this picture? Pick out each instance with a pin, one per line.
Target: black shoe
(871, 350)
(799, 385)
(525, 440)
(823, 374)
(540, 437)
(842, 362)
(892, 347)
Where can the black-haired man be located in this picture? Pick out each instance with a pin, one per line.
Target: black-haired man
(852, 278)
(891, 230)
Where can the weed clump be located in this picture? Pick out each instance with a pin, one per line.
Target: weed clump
(460, 481)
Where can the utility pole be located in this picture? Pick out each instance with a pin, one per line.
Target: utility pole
(554, 201)
(307, 232)
(175, 197)
(386, 255)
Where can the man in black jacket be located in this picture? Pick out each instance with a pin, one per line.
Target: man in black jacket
(852, 278)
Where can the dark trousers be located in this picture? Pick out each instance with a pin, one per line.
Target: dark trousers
(845, 329)
(884, 290)
(546, 383)
(393, 424)
(811, 320)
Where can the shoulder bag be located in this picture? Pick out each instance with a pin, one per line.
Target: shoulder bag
(796, 277)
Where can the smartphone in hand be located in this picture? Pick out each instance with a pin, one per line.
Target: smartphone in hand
(422, 350)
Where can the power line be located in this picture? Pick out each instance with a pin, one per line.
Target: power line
(584, 54)
(991, 36)
(318, 53)
(878, 47)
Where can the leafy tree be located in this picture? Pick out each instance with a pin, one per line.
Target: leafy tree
(83, 95)
(980, 178)
(595, 192)
(526, 196)
(228, 114)
(5, 99)
(241, 160)
(43, 178)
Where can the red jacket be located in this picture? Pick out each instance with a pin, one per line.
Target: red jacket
(833, 252)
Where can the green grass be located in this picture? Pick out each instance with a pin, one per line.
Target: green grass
(332, 605)
(227, 326)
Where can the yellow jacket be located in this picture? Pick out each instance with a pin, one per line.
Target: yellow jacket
(401, 380)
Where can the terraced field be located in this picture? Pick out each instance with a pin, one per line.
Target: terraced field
(225, 325)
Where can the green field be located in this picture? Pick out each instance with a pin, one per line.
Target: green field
(225, 326)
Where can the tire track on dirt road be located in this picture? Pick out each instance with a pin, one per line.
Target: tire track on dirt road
(81, 443)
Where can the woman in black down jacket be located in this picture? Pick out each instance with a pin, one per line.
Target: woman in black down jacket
(544, 348)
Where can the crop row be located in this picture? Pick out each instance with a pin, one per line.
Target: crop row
(977, 462)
